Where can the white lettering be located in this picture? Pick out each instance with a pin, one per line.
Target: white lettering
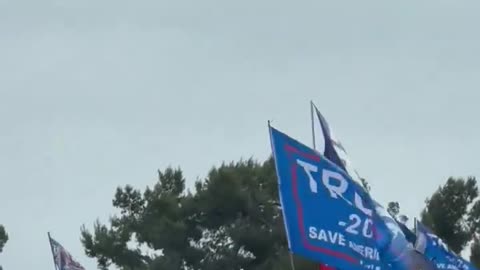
(359, 204)
(335, 183)
(367, 252)
(309, 168)
(341, 240)
(356, 221)
(322, 236)
(352, 228)
(339, 188)
(332, 236)
(367, 228)
(328, 236)
(312, 232)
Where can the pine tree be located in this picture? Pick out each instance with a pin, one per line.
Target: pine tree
(232, 220)
(447, 212)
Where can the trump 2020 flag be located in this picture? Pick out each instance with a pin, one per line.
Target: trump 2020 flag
(436, 250)
(397, 251)
(328, 216)
(62, 258)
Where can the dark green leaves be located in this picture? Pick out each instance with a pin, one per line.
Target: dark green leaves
(3, 238)
(475, 252)
(232, 221)
(393, 209)
(447, 212)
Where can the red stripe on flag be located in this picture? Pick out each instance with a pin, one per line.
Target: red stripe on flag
(324, 267)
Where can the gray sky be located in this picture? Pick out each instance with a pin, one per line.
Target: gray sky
(96, 94)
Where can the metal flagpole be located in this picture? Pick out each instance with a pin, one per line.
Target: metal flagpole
(314, 143)
(292, 263)
(53, 253)
(312, 116)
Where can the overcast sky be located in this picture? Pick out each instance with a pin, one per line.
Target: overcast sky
(97, 94)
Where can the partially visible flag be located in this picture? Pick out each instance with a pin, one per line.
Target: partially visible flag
(436, 250)
(62, 258)
(409, 235)
(397, 250)
(465, 265)
(333, 148)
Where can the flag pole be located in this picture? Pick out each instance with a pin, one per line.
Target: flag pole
(51, 247)
(416, 233)
(292, 263)
(314, 143)
(313, 124)
(313, 131)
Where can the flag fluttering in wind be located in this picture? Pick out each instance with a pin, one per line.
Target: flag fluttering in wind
(409, 235)
(436, 250)
(333, 148)
(62, 258)
(327, 215)
(397, 250)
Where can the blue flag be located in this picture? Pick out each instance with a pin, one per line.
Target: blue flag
(397, 251)
(437, 251)
(328, 216)
(465, 265)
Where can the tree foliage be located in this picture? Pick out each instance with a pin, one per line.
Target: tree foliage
(475, 252)
(393, 208)
(447, 212)
(3, 238)
(232, 220)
